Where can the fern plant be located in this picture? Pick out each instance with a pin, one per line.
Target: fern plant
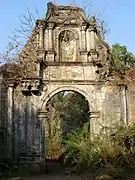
(77, 147)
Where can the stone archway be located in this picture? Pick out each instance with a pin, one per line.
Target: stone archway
(52, 90)
(50, 94)
(66, 111)
(52, 151)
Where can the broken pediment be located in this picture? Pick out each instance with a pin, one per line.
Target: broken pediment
(64, 14)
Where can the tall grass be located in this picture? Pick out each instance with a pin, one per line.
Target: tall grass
(102, 152)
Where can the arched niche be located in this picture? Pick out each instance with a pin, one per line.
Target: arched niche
(68, 46)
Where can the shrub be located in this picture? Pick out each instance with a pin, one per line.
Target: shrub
(77, 147)
(107, 152)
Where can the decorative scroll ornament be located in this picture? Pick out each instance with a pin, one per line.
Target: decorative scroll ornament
(25, 85)
(35, 86)
(30, 86)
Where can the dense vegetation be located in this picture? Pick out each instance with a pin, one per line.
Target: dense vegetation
(66, 111)
(112, 154)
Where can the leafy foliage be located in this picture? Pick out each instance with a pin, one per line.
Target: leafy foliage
(121, 58)
(77, 148)
(111, 153)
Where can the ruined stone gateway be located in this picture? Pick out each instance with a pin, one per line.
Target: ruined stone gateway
(64, 52)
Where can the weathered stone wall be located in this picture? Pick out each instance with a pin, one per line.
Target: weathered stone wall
(104, 101)
(3, 103)
(3, 119)
(104, 104)
(109, 106)
(130, 93)
(27, 134)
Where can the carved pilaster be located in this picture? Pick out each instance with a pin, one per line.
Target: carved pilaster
(50, 34)
(92, 38)
(83, 37)
(10, 119)
(41, 35)
(46, 40)
(41, 116)
(92, 41)
(83, 52)
(37, 36)
(124, 108)
(50, 53)
(41, 53)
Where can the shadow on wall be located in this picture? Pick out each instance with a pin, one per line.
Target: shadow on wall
(3, 121)
(28, 137)
(22, 140)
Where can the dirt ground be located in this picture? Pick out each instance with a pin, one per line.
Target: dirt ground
(68, 177)
(56, 171)
(59, 177)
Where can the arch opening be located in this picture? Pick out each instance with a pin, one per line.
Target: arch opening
(65, 112)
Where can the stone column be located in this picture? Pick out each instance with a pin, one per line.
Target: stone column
(41, 35)
(37, 36)
(46, 41)
(50, 54)
(10, 120)
(41, 50)
(50, 34)
(92, 39)
(26, 123)
(124, 113)
(1, 108)
(40, 59)
(93, 51)
(83, 52)
(41, 116)
(83, 38)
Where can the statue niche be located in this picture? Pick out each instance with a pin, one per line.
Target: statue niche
(67, 46)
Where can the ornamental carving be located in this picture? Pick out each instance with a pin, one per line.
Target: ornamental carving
(30, 85)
